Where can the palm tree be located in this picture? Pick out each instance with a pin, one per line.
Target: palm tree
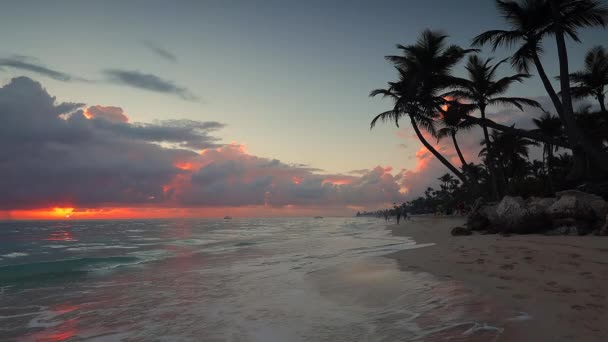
(551, 126)
(531, 21)
(452, 119)
(483, 89)
(567, 17)
(593, 79)
(424, 73)
(511, 152)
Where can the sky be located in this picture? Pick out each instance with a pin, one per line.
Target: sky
(267, 101)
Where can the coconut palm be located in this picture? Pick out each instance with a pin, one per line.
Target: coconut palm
(592, 81)
(511, 153)
(424, 73)
(483, 89)
(452, 119)
(551, 126)
(531, 21)
(567, 17)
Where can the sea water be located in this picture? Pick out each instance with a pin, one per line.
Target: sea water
(282, 279)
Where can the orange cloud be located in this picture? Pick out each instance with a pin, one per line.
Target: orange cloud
(109, 113)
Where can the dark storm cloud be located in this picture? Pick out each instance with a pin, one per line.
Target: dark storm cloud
(61, 154)
(160, 51)
(27, 64)
(232, 177)
(51, 154)
(182, 133)
(150, 82)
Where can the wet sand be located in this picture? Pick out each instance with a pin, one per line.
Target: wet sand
(559, 284)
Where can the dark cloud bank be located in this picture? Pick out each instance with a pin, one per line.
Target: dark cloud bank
(54, 154)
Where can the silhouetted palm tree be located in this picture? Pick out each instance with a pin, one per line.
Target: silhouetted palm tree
(592, 81)
(424, 73)
(484, 89)
(511, 153)
(550, 126)
(530, 21)
(567, 17)
(452, 121)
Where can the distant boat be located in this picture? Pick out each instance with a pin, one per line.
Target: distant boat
(318, 217)
(227, 217)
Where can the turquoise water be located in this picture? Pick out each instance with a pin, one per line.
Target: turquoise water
(223, 280)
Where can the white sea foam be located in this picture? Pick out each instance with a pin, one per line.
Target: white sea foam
(15, 255)
(92, 248)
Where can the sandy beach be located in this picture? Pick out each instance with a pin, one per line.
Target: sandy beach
(558, 283)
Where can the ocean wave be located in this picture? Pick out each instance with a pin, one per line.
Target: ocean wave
(61, 268)
(14, 255)
(92, 248)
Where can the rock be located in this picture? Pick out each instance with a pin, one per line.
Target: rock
(482, 216)
(514, 215)
(597, 203)
(461, 231)
(603, 231)
(572, 213)
(563, 230)
(489, 211)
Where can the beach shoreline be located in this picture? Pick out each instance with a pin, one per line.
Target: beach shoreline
(557, 283)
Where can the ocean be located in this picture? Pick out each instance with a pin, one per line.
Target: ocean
(279, 279)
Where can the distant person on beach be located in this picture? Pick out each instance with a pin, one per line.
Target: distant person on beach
(385, 216)
(398, 216)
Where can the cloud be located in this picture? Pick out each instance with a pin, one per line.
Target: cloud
(149, 82)
(93, 159)
(109, 113)
(160, 51)
(27, 64)
(52, 154)
(229, 176)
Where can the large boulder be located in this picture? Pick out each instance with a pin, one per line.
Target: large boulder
(514, 215)
(572, 214)
(603, 231)
(597, 204)
(482, 216)
(461, 231)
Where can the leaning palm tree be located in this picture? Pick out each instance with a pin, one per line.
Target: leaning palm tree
(592, 81)
(567, 16)
(483, 89)
(531, 21)
(424, 73)
(452, 119)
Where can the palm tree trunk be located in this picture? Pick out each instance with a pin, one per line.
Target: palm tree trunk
(464, 163)
(582, 148)
(437, 155)
(547, 83)
(601, 99)
(490, 156)
(579, 159)
(578, 166)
